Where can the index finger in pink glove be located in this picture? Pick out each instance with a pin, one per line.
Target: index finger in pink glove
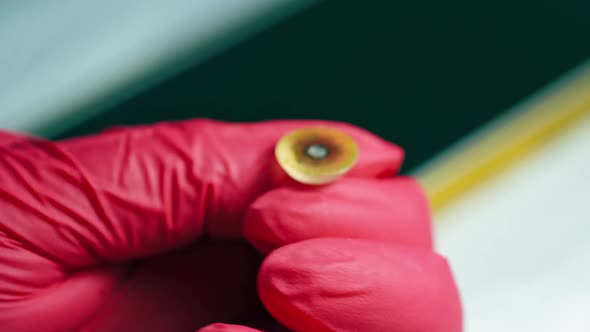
(357, 285)
(354, 285)
(129, 193)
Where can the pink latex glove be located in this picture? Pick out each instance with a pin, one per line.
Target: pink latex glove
(152, 228)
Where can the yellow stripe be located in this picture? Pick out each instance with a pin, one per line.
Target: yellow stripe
(520, 134)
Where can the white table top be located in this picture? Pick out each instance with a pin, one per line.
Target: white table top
(520, 245)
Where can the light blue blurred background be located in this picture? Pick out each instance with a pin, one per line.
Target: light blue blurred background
(63, 60)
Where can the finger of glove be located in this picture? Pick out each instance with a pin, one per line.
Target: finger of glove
(329, 285)
(392, 210)
(219, 327)
(134, 192)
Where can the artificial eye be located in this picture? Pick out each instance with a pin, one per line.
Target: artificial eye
(316, 155)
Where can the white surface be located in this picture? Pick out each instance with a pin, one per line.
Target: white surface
(58, 55)
(520, 245)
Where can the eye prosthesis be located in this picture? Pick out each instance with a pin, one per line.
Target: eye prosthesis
(316, 155)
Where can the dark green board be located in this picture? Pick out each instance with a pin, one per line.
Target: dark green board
(422, 73)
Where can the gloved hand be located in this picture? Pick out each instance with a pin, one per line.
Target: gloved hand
(147, 229)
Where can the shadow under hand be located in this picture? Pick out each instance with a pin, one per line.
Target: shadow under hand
(212, 281)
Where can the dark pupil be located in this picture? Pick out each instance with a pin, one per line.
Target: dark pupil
(317, 151)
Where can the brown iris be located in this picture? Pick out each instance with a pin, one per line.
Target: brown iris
(316, 155)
